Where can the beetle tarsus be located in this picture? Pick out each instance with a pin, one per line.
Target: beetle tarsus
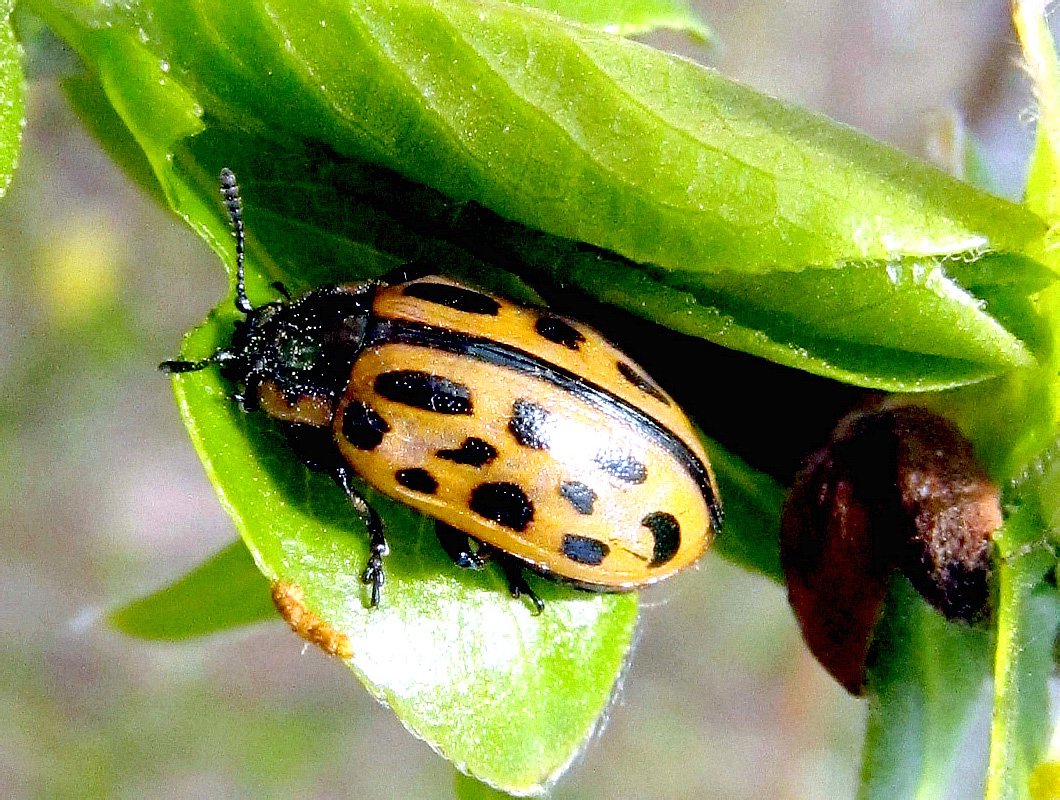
(374, 575)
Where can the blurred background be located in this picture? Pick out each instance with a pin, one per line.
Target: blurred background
(103, 498)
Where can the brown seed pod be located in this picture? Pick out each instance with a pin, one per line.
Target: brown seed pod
(894, 488)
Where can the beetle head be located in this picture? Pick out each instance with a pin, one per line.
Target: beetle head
(303, 348)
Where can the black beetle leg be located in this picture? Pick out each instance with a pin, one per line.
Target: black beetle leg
(373, 574)
(177, 367)
(517, 584)
(457, 545)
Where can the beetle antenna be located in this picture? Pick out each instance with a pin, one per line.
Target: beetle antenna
(234, 205)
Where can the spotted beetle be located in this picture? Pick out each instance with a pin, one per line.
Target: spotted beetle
(528, 436)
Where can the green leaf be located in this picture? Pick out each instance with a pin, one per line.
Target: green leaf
(924, 681)
(833, 322)
(648, 159)
(11, 97)
(225, 592)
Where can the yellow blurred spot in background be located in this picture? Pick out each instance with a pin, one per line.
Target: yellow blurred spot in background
(79, 268)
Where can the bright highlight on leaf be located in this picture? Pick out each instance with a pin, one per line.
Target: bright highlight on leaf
(629, 17)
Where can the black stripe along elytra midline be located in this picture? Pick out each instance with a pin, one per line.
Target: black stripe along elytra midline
(641, 381)
(382, 331)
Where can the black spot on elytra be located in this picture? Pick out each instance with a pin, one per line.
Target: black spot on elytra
(424, 390)
(504, 503)
(474, 452)
(559, 331)
(667, 532)
(455, 297)
(579, 495)
(417, 479)
(363, 427)
(621, 465)
(584, 550)
(641, 381)
(529, 424)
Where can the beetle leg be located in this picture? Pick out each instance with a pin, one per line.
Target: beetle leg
(517, 584)
(457, 545)
(177, 367)
(373, 574)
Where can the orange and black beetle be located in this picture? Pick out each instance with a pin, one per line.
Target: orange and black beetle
(520, 429)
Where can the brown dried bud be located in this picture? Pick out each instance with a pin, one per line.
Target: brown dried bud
(894, 488)
(954, 508)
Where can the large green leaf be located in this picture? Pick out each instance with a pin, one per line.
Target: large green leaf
(586, 136)
(573, 138)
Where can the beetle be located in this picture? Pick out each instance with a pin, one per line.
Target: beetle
(526, 435)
